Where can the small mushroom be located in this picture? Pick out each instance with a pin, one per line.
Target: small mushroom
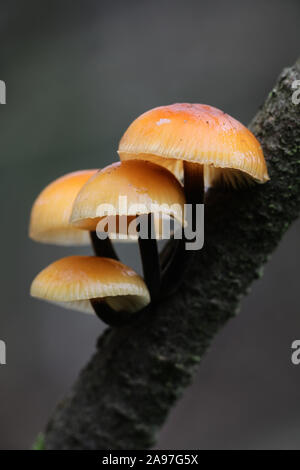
(150, 191)
(199, 143)
(51, 211)
(93, 284)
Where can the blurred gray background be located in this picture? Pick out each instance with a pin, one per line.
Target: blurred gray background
(77, 74)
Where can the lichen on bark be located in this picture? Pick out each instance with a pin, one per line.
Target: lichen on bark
(124, 394)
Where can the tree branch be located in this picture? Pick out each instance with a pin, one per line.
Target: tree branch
(124, 394)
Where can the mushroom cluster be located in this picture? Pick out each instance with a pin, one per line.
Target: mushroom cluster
(168, 157)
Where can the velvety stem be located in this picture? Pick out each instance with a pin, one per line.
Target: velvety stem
(150, 259)
(104, 247)
(193, 183)
(108, 315)
(174, 271)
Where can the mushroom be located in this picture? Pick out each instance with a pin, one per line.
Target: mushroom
(198, 142)
(51, 211)
(135, 190)
(93, 284)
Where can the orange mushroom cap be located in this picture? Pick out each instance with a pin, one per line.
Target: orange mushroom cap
(73, 281)
(147, 188)
(51, 211)
(196, 133)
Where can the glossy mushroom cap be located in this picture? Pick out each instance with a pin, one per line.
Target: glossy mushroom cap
(73, 281)
(196, 133)
(128, 189)
(51, 211)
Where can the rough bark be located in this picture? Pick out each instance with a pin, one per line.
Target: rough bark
(124, 394)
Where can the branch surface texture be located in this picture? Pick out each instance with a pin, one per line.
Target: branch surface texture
(124, 394)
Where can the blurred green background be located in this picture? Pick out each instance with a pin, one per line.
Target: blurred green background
(77, 73)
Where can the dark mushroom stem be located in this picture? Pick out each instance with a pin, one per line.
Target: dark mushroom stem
(110, 316)
(103, 247)
(150, 257)
(116, 318)
(151, 269)
(174, 270)
(167, 252)
(193, 185)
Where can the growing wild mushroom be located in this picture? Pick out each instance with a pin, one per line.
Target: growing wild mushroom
(132, 191)
(93, 284)
(51, 211)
